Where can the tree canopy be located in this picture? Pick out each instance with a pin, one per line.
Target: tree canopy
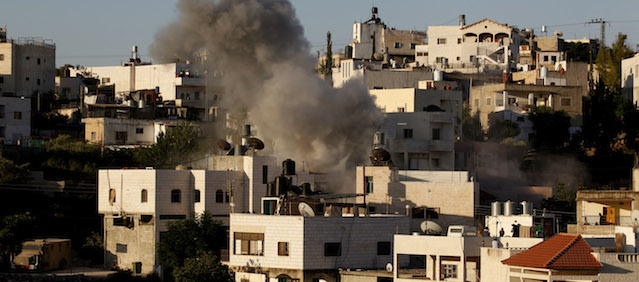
(471, 126)
(503, 129)
(176, 146)
(203, 267)
(609, 62)
(13, 230)
(551, 128)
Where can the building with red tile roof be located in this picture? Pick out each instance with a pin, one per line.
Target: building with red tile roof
(560, 252)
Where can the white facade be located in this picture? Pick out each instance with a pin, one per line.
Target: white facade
(446, 258)
(425, 193)
(27, 65)
(118, 131)
(630, 73)
(15, 118)
(137, 203)
(473, 48)
(309, 248)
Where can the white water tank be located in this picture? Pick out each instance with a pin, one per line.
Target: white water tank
(438, 75)
(495, 208)
(543, 72)
(526, 208)
(142, 104)
(508, 208)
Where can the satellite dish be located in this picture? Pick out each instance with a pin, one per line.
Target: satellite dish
(431, 228)
(389, 267)
(381, 155)
(256, 144)
(305, 210)
(558, 33)
(378, 56)
(635, 217)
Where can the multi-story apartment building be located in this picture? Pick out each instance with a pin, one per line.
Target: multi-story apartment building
(15, 118)
(420, 126)
(137, 203)
(27, 65)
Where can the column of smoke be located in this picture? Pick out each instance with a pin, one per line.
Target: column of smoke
(259, 47)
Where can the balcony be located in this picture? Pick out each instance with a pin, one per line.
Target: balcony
(189, 81)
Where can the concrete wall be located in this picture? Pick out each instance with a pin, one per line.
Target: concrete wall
(140, 244)
(630, 73)
(618, 266)
(104, 130)
(15, 119)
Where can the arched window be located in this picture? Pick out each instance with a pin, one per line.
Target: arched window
(197, 196)
(144, 196)
(219, 196)
(176, 196)
(111, 196)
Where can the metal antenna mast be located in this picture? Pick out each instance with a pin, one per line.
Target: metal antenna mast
(603, 23)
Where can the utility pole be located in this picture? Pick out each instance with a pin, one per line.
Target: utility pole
(603, 23)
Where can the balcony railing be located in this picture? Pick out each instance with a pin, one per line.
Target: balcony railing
(597, 220)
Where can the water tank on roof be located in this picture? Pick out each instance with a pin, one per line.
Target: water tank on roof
(438, 75)
(526, 208)
(508, 208)
(348, 50)
(543, 72)
(142, 104)
(495, 209)
(288, 167)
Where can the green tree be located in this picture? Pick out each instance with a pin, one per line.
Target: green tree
(71, 159)
(326, 68)
(604, 110)
(502, 130)
(551, 128)
(15, 229)
(563, 200)
(609, 62)
(184, 238)
(174, 147)
(471, 126)
(10, 172)
(203, 267)
(62, 71)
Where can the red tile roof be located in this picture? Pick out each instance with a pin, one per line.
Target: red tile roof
(562, 252)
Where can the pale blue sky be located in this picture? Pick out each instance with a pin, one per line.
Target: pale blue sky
(92, 32)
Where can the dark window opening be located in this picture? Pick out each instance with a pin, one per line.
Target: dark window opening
(176, 196)
(144, 196)
(120, 248)
(219, 196)
(383, 248)
(332, 249)
(197, 196)
(264, 174)
(408, 133)
(282, 248)
(436, 134)
(172, 216)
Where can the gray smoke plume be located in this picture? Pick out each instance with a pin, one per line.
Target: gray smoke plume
(267, 70)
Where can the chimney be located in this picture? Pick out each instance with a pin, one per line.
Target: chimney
(134, 53)
(462, 20)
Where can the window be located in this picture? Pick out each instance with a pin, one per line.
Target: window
(520, 119)
(545, 58)
(436, 133)
(26, 78)
(472, 59)
(106, 80)
(144, 196)
(93, 135)
(459, 40)
(219, 196)
(332, 249)
(488, 101)
(449, 271)
(282, 248)
(111, 196)
(435, 162)
(383, 248)
(458, 58)
(120, 248)
(565, 102)
(1, 131)
(38, 61)
(139, 130)
(441, 40)
(1, 80)
(264, 174)
(368, 181)
(249, 243)
(553, 58)
(176, 196)
(121, 137)
(408, 133)
(28, 58)
(1, 57)
(401, 109)
(412, 46)
(38, 81)
(1, 111)
(399, 45)
(197, 196)
(196, 95)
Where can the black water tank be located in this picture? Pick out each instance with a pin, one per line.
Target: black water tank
(270, 189)
(288, 167)
(306, 189)
(281, 185)
(349, 51)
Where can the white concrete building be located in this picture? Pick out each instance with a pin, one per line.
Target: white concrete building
(295, 248)
(137, 203)
(128, 132)
(473, 48)
(420, 126)
(27, 65)
(15, 118)
(630, 73)
(446, 258)
(374, 76)
(425, 193)
(71, 88)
